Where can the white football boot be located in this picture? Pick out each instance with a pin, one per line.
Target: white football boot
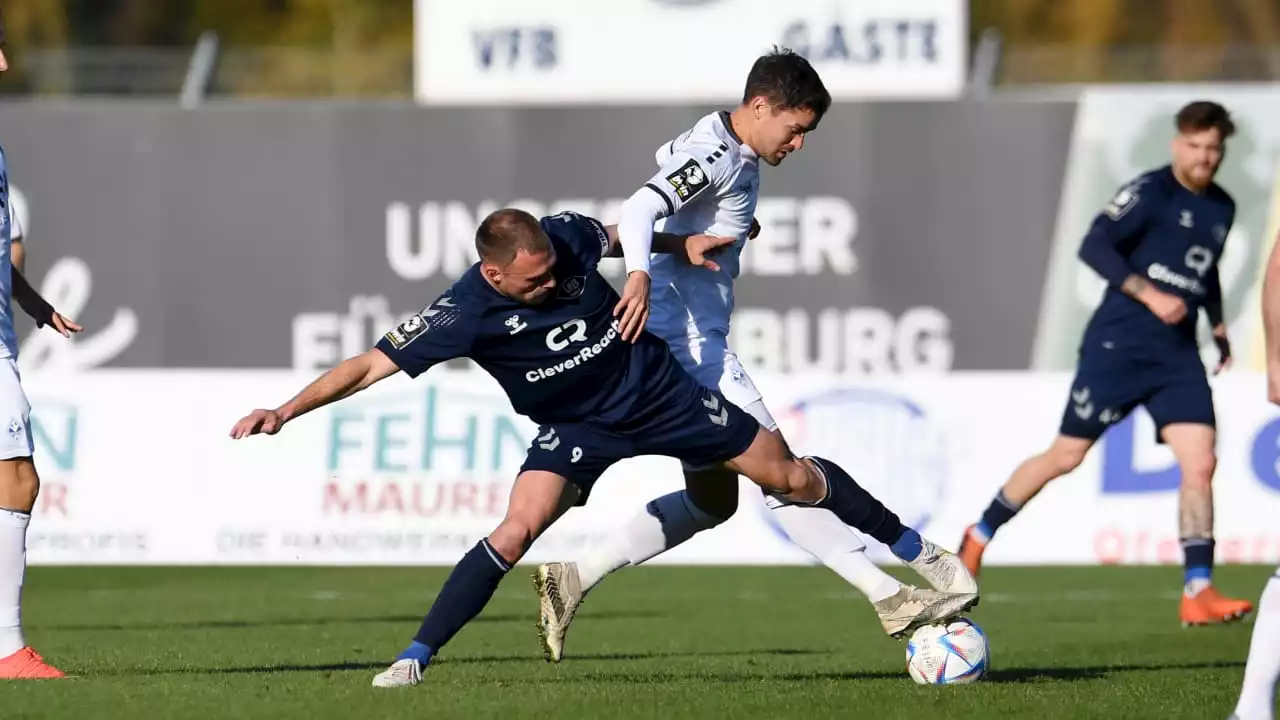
(944, 570)
(912, 607)
(559, 595)
(402, 673)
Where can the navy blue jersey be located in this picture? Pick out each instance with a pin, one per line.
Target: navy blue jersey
(1157, 228)
(563, 360)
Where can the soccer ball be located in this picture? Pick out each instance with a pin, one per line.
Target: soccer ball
(951, 654)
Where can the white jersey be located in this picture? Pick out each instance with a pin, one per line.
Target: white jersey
(710, 181)
(8, 338)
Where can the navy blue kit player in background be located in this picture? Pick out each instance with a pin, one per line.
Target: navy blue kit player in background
(1157, 244)
(537, 316)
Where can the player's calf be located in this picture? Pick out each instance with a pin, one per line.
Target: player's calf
(710, 497)
(1028, 479)
(538, 498)
(1192, 444)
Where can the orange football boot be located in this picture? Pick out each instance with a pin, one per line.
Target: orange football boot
(971, 548)
(1208, 607)
(26, 664)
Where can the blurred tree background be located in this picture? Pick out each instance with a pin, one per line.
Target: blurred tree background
(365, 47)
(1048, 41)
(268, 47)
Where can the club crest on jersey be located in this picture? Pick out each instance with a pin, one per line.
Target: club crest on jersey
(688, 180)
(1220, 233)
(572, 287)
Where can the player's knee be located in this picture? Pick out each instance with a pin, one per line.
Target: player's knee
(800, 480)
(19, 484)
(1198, 470)
(1064, 457)
(784, 477)
(513, 537)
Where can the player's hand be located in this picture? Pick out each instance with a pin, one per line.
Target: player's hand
(1224, 352)
(755, 229)
(696, 248)
(267, 422)
(64, 325)
(1169, 308)
(633, 308)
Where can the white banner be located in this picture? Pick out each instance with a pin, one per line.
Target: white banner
(138, 468)
(657, 51)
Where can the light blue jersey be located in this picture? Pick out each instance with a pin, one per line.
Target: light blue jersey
(8, 337)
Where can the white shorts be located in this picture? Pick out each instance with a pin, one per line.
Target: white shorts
(15, 413)
(713, 365)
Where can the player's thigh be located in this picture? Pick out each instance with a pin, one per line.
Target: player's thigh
(538, 499)
(713, 365)
(577, 452)
(1192, 444)
(737, 386)
(1182, 409)
(19, 484)
(769, 463)
(1105, 389)
(703, 429)
(19, 481)
(714, 488)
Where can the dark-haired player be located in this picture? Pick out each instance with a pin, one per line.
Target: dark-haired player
(709, 182)
(1157, 243)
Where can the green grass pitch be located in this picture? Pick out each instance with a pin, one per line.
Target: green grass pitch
(656, 642)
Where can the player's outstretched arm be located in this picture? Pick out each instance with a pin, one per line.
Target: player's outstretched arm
(1271, 322)
(347, 378)
(37, 307)
(692, 249)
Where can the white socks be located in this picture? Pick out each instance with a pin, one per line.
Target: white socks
(825, 536)
(1258, 696)
(664, 524)
(13, 566)
(671, 519)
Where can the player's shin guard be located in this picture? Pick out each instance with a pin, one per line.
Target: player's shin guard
(464, 595)
(663, 524)
(13, 566)
(856, 507)
(1261, 672)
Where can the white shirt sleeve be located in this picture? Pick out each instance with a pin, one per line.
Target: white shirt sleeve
(689, 174)
(15, 225)
(686, 176)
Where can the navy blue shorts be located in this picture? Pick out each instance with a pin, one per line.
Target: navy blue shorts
(1109, 384)
(696, 425)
